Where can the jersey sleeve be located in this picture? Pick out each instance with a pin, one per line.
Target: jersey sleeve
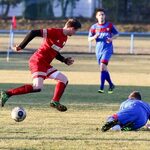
(44, 33)
(91, 31)
(114, 31)
(47, 33)
(121, 106)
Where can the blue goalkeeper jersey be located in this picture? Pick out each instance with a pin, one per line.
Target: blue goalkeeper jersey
(136, 111)
(105, 31)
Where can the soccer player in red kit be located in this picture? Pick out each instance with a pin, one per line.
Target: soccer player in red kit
(39, 62)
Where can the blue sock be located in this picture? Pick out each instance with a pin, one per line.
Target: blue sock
(103, 77)
(108, 79)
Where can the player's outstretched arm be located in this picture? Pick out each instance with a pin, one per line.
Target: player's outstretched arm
(32, 34)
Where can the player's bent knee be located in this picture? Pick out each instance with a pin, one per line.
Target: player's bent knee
(59, 76)
(103, 67)
(37, 84)
(65, 80)
(37, 88)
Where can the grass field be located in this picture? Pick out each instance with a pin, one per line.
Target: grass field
(47, 129)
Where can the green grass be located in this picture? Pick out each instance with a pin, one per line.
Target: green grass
(47, 129)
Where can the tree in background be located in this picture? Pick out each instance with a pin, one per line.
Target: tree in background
(50, 8)
(127, 10)
(6, 4)
(118, 11)
(140, 10)
(41, 9)
(64, 4)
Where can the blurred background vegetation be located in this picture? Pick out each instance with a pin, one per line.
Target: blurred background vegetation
(128, 15)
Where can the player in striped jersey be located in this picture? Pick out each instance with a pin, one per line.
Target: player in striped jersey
(40, 62)
(103, 33)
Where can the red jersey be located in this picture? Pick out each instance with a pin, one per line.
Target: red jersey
(54, 41)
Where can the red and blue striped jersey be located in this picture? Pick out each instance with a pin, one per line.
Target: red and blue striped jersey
(105, 31)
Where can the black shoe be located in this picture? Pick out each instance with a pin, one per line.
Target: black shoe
(100, 91)
(109, 125)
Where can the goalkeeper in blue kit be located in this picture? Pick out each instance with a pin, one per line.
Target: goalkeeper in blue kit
(103, 33)
(132, 115)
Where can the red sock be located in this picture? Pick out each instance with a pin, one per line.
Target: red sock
(59, 90)
(21, 90)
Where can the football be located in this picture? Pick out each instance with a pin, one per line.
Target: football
(18, 114)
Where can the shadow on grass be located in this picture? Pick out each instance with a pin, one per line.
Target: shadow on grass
(78, 94)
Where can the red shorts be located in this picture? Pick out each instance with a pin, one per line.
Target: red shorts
(40, 68)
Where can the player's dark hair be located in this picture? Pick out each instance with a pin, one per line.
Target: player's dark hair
(99, 9)
(135, 95)
(73, 23)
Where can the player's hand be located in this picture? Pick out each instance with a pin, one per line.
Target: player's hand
(109, 40)
(68, 61)
(16, 48)
(96, 35)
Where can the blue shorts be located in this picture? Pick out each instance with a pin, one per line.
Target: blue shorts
(104, 57)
